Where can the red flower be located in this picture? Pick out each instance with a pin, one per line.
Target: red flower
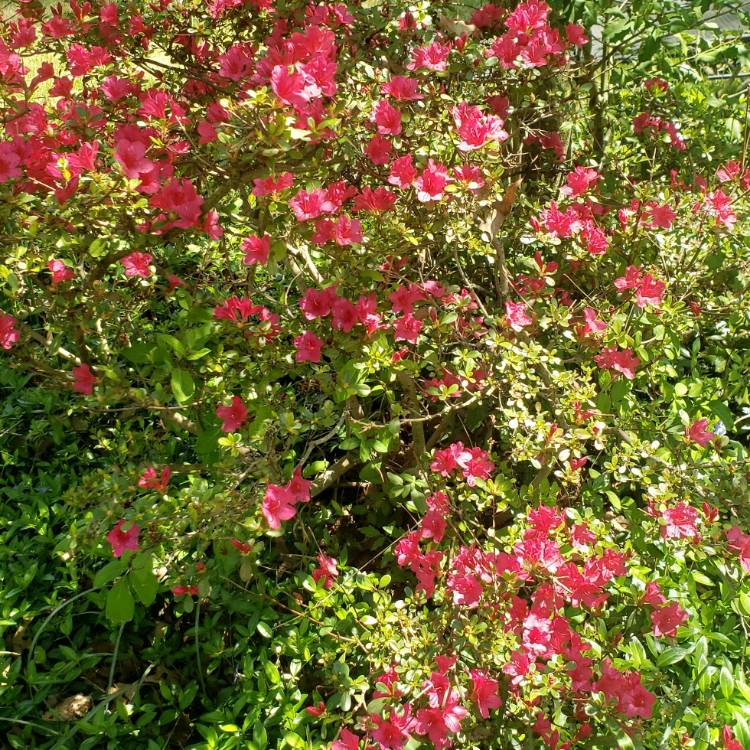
(403, 172)
(137, 264)
(278, 505)
(326, 571)
(402, 88)
(257, 249)
(150, 481)
(60, 272)
(83, 379)
(346, 741)
(667, 619)
(386, 117)
(123, 540)
(379, 150)
(697, 433)
(243, 548)
(517, 316)
(624, 361)
(484, 692)
(317, 710)
(728, 740)
(185, 590)
(308, 347)
(8, 333)
(271, 185)
(431, 183)
(232, 416)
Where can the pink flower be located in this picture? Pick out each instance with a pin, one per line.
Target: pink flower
(624, 361)
(386, 117)
(271, 185)
(10, 162)
(433, 57)
(667, 619)
(625, 689)
(484, 692)
(650, 291)
(137, 264)
(8, 333)
(443, 718)
(402, 89)
(236, 62)
(232, 416)
(431, 183)
(123, 540)
(680, 522)
(697, 433)
(278, 505)
(60, 272)
(740, 543)
(150, 481)
(344, 315)
(403, 172)
(470, 176)
(298, 487)
(379, 150)
(592, 323)
(653, 595)
(257, 249)
(517, 316)
(380, 199)
(347, 231)
(326, 571)
(661, 216)
(308, 206)
(579, 181)
(308, 347)
(394, 732)
(346, 741)
(576, 35)
(83, 379)
(407, 328)
(728, 740)
(132, 157)
(318, 303)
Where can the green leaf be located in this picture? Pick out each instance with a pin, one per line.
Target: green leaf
(264, 630)
(142, 579)
(183, 385)
(726, 682)
(120, 606)
(721, 410)
(672, 655)
(108, 573)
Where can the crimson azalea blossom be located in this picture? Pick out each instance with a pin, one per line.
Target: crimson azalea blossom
(9, 334)
(697, 432)
(308, 347)
(83, 379)
(137, 265)
(123, 540)
(151, 480)
(232, 416)
(60, 272)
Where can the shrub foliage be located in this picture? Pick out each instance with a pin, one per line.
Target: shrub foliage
(374, 374)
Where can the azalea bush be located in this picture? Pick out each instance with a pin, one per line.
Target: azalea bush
(374, 375)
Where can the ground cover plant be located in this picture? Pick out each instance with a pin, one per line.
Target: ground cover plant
(374, 375)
